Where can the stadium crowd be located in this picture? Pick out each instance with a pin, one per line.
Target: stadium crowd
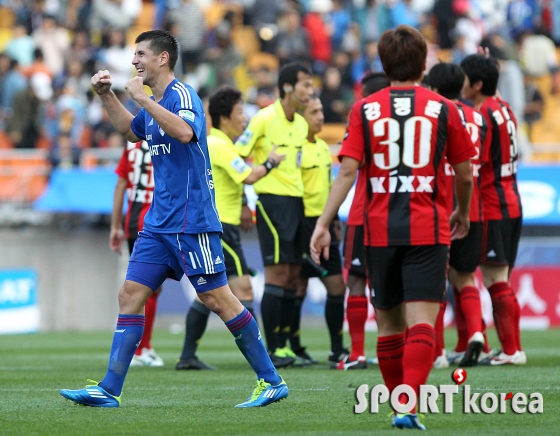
(50, 48)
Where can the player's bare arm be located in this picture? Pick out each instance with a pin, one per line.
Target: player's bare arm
(171, 124)
(117, 236)
(321, 238)
(119, 116)
(460, 218)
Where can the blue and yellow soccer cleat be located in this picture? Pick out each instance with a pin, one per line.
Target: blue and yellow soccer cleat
(265, 394)
(92, 395)
(407, 420)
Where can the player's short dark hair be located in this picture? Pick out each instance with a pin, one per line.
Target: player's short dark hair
(403, 53)
(221, 103)
(160, 41)
(448, 79)
(479, 67)
(289, 74)
(374, 81)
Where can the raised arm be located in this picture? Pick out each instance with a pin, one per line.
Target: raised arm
(120, 117)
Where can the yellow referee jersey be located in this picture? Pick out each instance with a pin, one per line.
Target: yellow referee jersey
(229, 171)
(270, 127)
(316, 171)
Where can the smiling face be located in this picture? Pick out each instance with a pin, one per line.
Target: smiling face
(146, 62)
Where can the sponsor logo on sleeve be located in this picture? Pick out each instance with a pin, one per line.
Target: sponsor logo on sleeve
(245, 137)
(187, 115)
(238, 165)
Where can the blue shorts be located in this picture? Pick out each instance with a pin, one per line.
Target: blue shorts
(157, 256)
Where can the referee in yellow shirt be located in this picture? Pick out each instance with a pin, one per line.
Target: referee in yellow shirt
(280, 204)
(229, 172)
(316, 168)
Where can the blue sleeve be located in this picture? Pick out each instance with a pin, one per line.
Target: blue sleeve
(138, 124)
(188, 105)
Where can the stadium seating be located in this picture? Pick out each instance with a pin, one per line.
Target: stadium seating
(23, 174)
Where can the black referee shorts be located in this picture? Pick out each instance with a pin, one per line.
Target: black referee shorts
(236, 266)
(279, 225)
(332, 265)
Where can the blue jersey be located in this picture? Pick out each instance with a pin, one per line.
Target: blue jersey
(184, 189)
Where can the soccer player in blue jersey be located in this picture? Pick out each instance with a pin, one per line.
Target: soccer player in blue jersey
(181, 232)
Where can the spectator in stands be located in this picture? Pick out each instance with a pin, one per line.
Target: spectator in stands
(54, 42)
(534, 104)
(75, 77)
(368, 61)
(537, 53)
(192, 28)
(82, 50)
(71, 114)
(30, 15)
(335, 98)
(64, 154)
(445, 18)
(403, 12)
(11, 82)
(555, 12)
(522, 16)
(340, 20)
(342, 61)
(262, 93)
(111, 57)
(262, 16)
(224, 56)
(119, 14)
(25, 126)
(318, 32)
(21, 46)
(38, 65)
(293, 41)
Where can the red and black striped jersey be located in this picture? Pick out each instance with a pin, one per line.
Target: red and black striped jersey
(404, 134)
(356, 212)
(478, 129)
(136, 167)
(498, 175)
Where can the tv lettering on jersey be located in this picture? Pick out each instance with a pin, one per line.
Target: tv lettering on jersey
(157, 148)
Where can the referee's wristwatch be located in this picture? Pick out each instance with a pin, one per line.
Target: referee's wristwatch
(270, 164)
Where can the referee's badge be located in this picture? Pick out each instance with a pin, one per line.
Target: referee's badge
(238, 165)
(245, 137)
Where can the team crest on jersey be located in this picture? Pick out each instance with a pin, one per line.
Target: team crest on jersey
(238, 165)
(246, 137)
(187, 115)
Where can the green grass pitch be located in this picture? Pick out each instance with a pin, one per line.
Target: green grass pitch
(163, 401)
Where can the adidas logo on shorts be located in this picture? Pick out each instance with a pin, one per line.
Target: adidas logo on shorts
(218, 260)
(491, 253)
(201, 281)
(356, 262)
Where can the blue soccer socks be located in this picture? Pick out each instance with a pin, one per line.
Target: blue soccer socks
(248, 338)
(128, 335)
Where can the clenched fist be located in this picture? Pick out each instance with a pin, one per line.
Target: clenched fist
(101, 82)
(135, 88)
